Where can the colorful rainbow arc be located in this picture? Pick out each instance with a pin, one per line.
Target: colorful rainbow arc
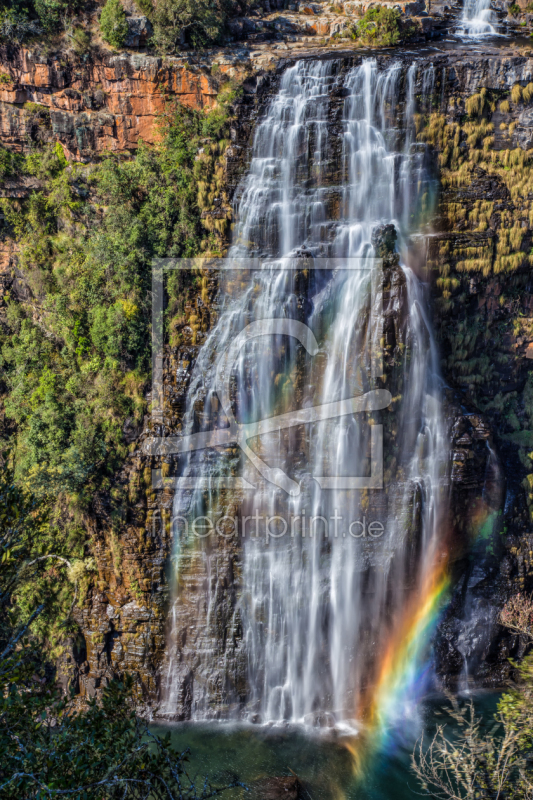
(403, 666)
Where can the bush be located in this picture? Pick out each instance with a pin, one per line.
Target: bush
(196, 22)
(49, 747)
(10, 163)
(81, 41)
(515, 10)
(379, 26)
(15, 26)
(105, 752)
(479, 764)
(75, 375)
(113, 25)
(51, 13)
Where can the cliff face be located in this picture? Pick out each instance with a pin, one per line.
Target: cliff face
(477, 261)
(104, 103)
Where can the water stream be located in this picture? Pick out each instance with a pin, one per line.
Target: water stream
(478, 18)
(319, 605)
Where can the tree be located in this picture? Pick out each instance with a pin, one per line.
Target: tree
(51, 750)
(49, 747)
(197, 22)
(113, 24)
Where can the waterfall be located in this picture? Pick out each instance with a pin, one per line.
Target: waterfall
(477, 18)
(328, 182)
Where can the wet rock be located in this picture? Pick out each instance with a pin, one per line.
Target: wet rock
(320, 720)
(276, 789)
(524, 131)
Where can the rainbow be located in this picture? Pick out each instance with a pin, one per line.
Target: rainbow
(403, 666)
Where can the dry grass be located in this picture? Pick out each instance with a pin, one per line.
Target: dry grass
(476, 103)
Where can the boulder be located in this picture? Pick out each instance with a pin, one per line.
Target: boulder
(139, 31)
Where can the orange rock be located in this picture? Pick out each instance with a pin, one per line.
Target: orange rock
(129, 90)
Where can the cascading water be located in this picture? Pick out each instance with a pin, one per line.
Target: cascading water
(477, 19)
(319, 604)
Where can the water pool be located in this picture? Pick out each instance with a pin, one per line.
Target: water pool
(322, 761)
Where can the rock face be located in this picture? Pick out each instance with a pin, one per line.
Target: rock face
(139, 31)
(105, 103)
(110, 103)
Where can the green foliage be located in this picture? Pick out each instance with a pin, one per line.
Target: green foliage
(10, 163)
(379, 26)
(77, 370)
(48, 746)
(16, 24)
(470, 763)
(147, 7)
(515, 10)
(113, 25)
(51, 13)
(104, 752)
(43, 569)
(75, 352)
(81, 40)
(197, 22)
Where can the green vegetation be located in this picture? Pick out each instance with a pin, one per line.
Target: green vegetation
(81, 40)
(379, 26)
(176, 22)
(469, 763)
(482, 265)
(197, 22)
(113, 25)
(75, 348)
(103, 752)
(49, 747)
(23, 19)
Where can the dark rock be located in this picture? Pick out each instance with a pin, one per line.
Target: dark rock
(139, 31)
(276, 789)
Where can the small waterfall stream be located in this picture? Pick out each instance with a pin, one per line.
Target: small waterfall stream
(320, 600)
(478, 18)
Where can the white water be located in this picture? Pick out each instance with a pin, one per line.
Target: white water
(478, 18)
(315, 610)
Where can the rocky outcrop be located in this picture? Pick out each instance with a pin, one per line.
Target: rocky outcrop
(104, 103)
(112, 102)
(480, 262)
(124, 621)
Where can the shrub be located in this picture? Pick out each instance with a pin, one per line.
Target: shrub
(81, 40)
(475, 104)
(15, 26)
(147, 7)
(514, 10)
(10, 163)
(113, 25)
(51, 13)
(379, 26)
(103, 752)
(197, 22)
